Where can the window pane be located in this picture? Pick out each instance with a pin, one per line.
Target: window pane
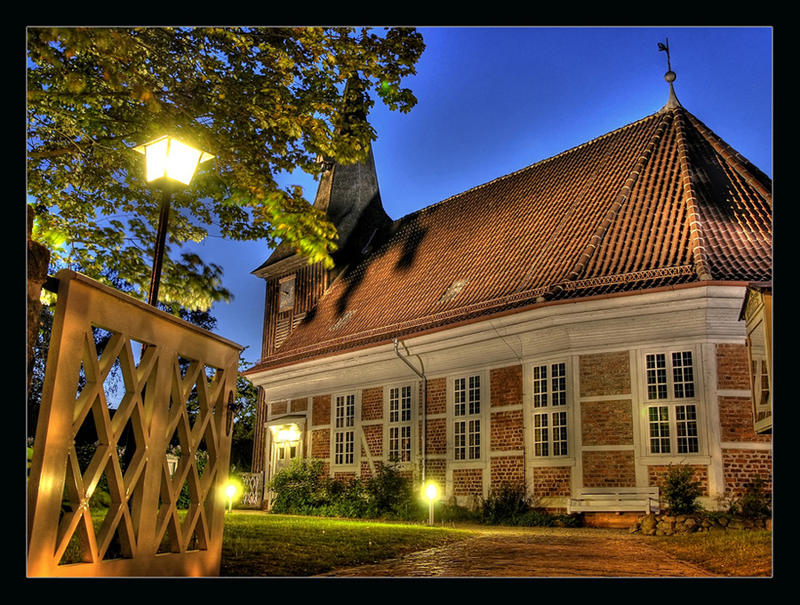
(460, 441)
(659, 429)
(474, 394)
(394, 404)
(539, 386)
(541, 435)
(460, 396)
(682, 374)
(405, 404)
(474, 439)
(686, 429)
(560, 434)
(559, 384)
(656, 376)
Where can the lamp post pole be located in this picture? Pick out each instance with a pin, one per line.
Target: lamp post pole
(161, 243)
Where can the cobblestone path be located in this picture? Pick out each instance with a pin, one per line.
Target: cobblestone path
(507, 552)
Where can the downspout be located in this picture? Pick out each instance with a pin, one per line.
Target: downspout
(421, 374)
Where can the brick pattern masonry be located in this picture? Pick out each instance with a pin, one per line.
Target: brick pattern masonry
(605, 404)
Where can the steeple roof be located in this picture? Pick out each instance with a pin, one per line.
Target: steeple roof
(660, 202)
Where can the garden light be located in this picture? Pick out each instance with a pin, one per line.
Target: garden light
(231, 490)
(431, 491)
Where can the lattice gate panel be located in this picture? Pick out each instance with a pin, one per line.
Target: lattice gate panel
(252, 490)
(176, 382)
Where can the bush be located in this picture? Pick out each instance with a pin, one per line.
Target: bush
(505, 504)
(303, 489)
(300, 488)
(755, 502)
(390, 494)
(680, 492)
(509, 505)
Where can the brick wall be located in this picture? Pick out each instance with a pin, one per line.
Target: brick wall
(742, 466)
(656, 473)
(505, 386)
(435, 470)
(505, 431)
(374, 436)
(608, 469)
(321, 443)
(506, 470)
(372, 404)
(436, 431)
(299, 405)
(607, 422)
(736, 420)
(551, 481)
(605, 374)
(732, 367)
(279, 407)
(437, 396)
(468, 482)
(321, 411)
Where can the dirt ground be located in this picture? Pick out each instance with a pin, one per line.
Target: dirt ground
(510, 552)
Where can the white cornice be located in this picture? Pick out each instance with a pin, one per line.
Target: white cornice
(704, 313)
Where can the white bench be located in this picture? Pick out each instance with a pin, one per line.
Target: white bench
(615, 499)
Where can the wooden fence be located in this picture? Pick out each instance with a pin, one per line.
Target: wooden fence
(159, 381)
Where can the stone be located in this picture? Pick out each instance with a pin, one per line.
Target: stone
(648, 523)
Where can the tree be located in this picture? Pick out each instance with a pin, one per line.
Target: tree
(262, 100)
(244, 421)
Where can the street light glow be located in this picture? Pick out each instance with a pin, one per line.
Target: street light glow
(430, 491)
(169, 157)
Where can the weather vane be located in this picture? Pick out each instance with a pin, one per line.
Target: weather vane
(665, 47)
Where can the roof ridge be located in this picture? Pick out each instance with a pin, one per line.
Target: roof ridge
(618, 202)
(528, 167)
(696, 238)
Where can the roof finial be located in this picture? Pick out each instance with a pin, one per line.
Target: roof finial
(669, 77)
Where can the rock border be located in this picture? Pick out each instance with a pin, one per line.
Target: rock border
(669, 525)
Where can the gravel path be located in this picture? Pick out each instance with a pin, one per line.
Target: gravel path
(507, 552)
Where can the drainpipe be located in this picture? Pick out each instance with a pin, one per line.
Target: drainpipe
(421, 374)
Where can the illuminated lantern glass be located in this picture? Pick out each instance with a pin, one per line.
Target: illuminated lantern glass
(431, 491)
(167, 156)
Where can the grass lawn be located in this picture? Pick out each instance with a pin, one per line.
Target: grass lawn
(731, 553)
(258, 544)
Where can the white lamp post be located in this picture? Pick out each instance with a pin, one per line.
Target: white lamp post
(167, 158)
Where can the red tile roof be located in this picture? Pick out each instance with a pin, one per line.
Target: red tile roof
(661, 201)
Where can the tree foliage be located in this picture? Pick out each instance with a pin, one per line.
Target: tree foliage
(264, 101)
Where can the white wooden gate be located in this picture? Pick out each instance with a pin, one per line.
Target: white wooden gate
(165, 364)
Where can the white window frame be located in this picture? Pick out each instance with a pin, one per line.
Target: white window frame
(760, 373)
(462, 426)
(670, 409)
(550, 406)
(410, 424)
(341, 427)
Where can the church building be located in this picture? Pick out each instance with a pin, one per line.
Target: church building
(576, 327)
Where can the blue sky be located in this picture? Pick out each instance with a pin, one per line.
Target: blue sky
(494, 100)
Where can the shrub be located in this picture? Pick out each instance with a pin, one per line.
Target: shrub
(680, 492)
(754, 502)
(300, 488)
(303, 489)
(505, 504)
(390, 494)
